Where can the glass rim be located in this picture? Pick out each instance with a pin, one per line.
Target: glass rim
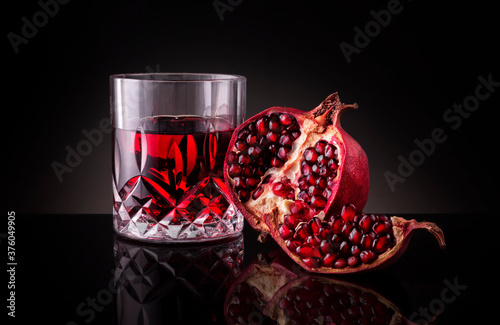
(170, 77)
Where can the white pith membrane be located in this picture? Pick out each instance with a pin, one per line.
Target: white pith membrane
(270, 203)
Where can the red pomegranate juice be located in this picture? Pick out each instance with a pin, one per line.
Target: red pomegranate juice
(168, 177)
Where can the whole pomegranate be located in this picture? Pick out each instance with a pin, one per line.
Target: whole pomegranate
(284, 154)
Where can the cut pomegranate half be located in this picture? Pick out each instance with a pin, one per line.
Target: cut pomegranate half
(285, 154)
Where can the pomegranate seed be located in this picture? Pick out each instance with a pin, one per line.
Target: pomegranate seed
(382, 227)
(254, 151)
(244, 159)
(240, 145)
(281, 189)
(352, 261)
(321, 184)
(367, 240)
(355, 250)
(336, 239)
(260, 171)
(312, 179)
(239, 182)
(367, 256)
(274, 123)
(311, 262)
(261, 125)
(313, 240)
(320, 146)
(366, 222)
(322, 161)
(346, 230)
(327, 193)
(285, 119)
(318, 201)
(340, 263)
(333, 164)
(308, 251)
(273, 148)
(286, 140)
(325, 233)
(298, 207)
(304, 197)
(344, 247)
(303, 183)
(326, 247)
(337, 224)
(292, 220)
(310, 155)
(313, 190)
(306, 169)
(355, 236)
(303, 231)
(380, 244)
(329, 259)
(244, 195)
(232, 157)
(252, 139)
(348, 212)
(285, 232)
(292, 245)
(275, 162)
(258, 192)
(272, 136)
(234, 170)
(324, 171)
(283, 152)
(330, 151)
(252, 183)
(247, 171)
(315, 225)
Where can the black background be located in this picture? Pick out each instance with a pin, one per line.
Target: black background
(427, 58)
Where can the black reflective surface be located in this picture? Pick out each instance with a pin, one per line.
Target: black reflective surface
(71, 269)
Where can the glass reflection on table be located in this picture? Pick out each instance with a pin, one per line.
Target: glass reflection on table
(160, 284)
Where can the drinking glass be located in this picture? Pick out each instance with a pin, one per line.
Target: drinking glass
(170, 136)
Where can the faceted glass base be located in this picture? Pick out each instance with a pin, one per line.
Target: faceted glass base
(142, 212)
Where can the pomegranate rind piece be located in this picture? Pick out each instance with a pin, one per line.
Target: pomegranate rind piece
(402, 230)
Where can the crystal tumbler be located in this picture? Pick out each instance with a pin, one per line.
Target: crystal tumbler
(170, 136)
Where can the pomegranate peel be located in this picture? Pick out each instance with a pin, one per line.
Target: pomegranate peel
(342, 244)
(287, 154)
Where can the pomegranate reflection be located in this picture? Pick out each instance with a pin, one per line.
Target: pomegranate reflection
(274, 290)
(162, 284)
